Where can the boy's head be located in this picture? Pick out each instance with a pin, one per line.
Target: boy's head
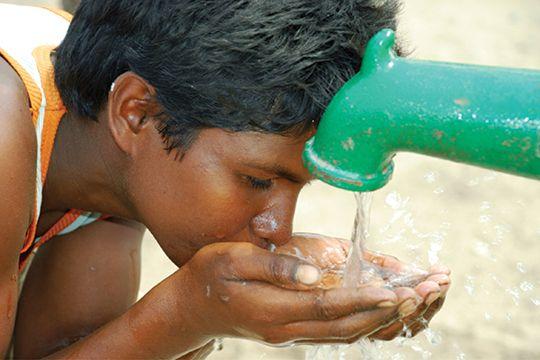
(232, 81)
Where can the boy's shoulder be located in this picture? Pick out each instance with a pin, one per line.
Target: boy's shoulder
(15, 116)
(18, 152)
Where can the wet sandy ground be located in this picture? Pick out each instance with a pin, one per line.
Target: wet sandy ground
(485, 226)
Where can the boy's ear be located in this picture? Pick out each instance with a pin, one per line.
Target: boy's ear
(131, 106)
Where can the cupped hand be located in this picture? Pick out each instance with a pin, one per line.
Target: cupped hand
(430, 289)
(240, 290)
(420, 293)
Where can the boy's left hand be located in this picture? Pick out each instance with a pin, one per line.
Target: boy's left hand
(431, 291)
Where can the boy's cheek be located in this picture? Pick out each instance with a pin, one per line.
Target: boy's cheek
(200, 221)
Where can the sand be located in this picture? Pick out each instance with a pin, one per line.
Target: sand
(484, 225)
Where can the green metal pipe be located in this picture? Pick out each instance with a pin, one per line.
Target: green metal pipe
(479, 115)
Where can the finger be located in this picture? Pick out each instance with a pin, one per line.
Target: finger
(415, 322)
(439, 269)
(386, 261)
(389, 332)
(356, 325)
(443, 280)
(410, 304)
(408, 300)
(248, 262)
(431, 294)
(290, 306)
(429, 291)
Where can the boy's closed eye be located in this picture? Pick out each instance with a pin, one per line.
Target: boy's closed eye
(259, 184)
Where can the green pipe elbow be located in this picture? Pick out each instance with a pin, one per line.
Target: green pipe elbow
(484, 116)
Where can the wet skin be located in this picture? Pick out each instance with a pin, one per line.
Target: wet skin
(214, 213)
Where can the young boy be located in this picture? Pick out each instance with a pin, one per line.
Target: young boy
(187, 118)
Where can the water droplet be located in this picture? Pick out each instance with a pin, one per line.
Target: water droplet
(406, 332)
(438, 191)
(536, 302)
(394, 200)
(481, 248)
(446, 225)
(208, 291)
(514, 293)
(526, 286)
(488, 316)
(430, 177)
(496, 280)
(521, 267)
(92, 268)
(469, 285)
(484, 219)
(224, 298)
(218, 344)
(485, 206)
(433, 336)
(433, 252)
(272, 247)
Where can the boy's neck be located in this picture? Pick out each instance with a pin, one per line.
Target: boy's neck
(84, 170)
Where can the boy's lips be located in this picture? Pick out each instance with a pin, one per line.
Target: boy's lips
(259, 242)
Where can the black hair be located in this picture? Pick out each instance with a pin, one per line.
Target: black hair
(241, 65)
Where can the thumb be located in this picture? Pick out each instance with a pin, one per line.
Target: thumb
(277, 269)
(307, 274)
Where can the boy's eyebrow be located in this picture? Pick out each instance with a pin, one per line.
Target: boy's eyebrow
(282, 172)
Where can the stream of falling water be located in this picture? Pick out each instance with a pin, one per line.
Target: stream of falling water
(357, 270)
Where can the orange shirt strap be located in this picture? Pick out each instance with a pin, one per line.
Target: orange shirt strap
(55, 109)
(63, 14)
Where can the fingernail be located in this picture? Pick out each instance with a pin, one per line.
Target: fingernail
(386, 304)
(432, 297)
(308, 275)
(407, 307)
(440, 279)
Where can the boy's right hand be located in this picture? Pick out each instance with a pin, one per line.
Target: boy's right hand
(240, 290)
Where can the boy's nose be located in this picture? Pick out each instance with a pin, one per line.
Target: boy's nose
(274, 225)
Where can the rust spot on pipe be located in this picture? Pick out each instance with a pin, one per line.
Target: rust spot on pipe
(462, 101)
(348, 144)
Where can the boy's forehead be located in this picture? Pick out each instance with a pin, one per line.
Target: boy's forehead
(278, 153)
(247, 142)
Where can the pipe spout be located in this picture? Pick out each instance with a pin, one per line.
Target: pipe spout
(479, 115)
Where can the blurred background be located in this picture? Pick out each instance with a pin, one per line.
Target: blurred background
(485, 226)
